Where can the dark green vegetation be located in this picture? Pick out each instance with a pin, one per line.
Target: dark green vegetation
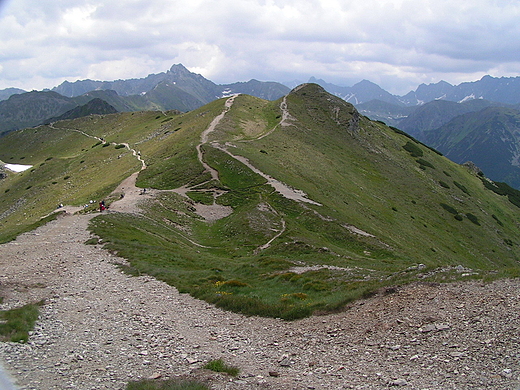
(15, 324)
(95, 106)
(386, 209)
(219, 365)
(488, 137)
(168, 384)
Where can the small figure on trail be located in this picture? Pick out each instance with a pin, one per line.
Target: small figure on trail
(102, 206)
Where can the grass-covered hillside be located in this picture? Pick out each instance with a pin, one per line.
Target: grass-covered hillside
(372, 207)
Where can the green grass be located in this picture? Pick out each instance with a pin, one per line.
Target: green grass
(168, 384)
(381, 212)
(10, 234)
(15, 324)
(219, 365)
(230, 271)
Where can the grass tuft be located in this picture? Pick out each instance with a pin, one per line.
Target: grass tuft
(16, 323)
(219, 365)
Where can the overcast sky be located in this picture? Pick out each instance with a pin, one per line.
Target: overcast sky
(397, 44)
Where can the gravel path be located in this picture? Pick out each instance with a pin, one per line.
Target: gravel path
(101, 328)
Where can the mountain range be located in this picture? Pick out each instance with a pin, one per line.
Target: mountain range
(279, 208)
(176, 89)
(424, 110)
(490, 138)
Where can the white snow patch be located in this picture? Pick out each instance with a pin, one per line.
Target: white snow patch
(17, 167)
(469, 97)
(441, 97)
(351, 98)
(227, 93)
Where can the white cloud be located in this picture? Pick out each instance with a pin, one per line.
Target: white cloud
(396, 43)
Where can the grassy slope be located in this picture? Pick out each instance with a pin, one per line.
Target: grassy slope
(360, 174)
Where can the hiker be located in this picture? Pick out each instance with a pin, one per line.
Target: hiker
(102, 206)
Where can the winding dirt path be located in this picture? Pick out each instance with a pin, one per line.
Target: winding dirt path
(205, 134)
(100, 328)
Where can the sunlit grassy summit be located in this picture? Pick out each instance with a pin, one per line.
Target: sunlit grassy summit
(324, 206)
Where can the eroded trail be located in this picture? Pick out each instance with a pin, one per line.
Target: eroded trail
(205, 134)
(101, 328)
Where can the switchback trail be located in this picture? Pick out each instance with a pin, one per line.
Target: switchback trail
(100, 328)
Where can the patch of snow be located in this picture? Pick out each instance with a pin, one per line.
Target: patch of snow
(441, 97)
(469, 97)
(17, 167)
(351, 98)
(227, 93)
(515, 158)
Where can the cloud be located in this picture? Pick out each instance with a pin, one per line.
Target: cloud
(398, 43)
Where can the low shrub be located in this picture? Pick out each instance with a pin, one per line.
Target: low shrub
(413, 149)
(461, 187)
(503, 189)
(473, 218)
(423, 163)
(498, 220)
(449, 209)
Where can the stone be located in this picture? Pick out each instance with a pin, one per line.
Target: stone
(398, 382)
(285, 362)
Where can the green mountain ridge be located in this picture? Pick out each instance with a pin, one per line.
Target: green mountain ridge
(177, 89)
(490, 138)
(383, 209)
(95, 106)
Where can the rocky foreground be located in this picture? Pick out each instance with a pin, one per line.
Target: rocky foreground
(100, 329)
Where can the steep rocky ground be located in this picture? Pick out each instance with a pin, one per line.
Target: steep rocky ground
(101, 328)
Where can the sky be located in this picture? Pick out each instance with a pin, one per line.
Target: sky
(397, 44)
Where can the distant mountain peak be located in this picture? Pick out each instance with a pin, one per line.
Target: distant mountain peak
(179, 69)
